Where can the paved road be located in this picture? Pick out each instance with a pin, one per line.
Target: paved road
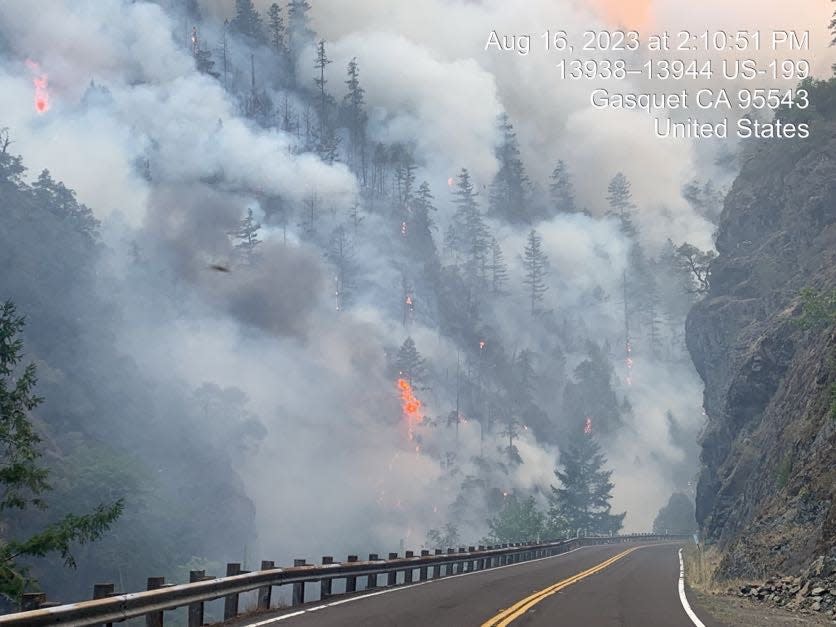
(624, 585)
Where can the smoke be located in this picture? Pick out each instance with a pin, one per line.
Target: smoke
(164, 156)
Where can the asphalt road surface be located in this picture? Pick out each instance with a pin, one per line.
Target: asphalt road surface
(629, 585)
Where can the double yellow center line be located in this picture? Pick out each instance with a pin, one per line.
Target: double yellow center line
(505, 617)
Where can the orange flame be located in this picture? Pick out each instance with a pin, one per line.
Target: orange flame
(41, 83)
(411, 405)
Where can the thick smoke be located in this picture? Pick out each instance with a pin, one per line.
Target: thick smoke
(163, 156)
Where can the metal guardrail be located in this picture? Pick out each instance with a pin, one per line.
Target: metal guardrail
(159, 597)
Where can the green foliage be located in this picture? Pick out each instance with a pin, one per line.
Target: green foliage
(677, 516)
(247, 21)
(21, 479)
(581, 501)
(21, 476)
(446, 537)
(591, 394)
(818, 309)
(782, 473)
(519, 520)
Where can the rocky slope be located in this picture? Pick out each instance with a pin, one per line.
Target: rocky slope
(767, 490)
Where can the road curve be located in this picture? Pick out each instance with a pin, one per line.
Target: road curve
(623, 584)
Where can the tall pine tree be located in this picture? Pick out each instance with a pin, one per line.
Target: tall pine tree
(580, 502)
(536, 267)
(509, 198)
(247, 21)
(620, 198)
(561, 190)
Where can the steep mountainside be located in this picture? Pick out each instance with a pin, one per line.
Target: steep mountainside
(767, 492)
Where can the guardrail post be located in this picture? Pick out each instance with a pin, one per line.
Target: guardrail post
(480, 563)
(460, 566)
(325, 584)
(450, 568)
(472, 564)
(422, 572)
(407, 574)
(371, 580)
(231, 600)
(392, 577)
(298, 588)
(32, 601)
(351, 580)
(154, 619)
(265, 593)
(196, 609)
(437, 567)
(103, 591)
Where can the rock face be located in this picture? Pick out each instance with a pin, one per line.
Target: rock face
(767, 490)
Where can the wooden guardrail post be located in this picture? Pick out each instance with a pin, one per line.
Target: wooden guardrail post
(298, 588)
(407, 574)
(325, 584)
(265, 593)
(422, 572)
(351, 580)
(231, 600)
(154, 619)
(32, 601)
(371, 580)
(196, 609)
(392, 577)
(103, 591)
(437, 567)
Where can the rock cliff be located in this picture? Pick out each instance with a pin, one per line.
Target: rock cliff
(767, 490)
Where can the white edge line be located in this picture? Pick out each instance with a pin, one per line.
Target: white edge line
(415, 585)
(685, 605)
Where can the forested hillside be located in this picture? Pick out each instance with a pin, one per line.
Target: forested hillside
(312, 309)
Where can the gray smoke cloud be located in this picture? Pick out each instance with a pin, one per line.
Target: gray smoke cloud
(163, 155)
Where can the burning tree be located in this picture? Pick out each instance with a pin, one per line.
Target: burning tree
(581, 501)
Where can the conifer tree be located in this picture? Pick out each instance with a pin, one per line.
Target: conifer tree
(23, 481)
(590, 395)
(561, 190)
(356, 118)
(276, 28)
(536, 266)
(498, 269)
(472, 234)
(509, 190)
(246, 236)
(410, 365)
(620, 198)
(321, 62)
(299, 32)
(580, 502)
(247, 21)
(341, 255)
